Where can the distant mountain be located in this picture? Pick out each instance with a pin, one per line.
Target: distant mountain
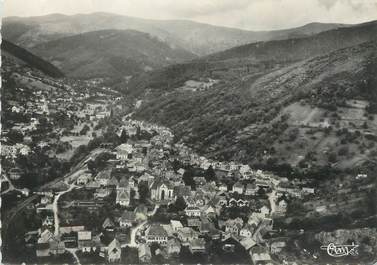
(300, 48)
(110, 53)
(255, 58)
(198, 38)
(251, 103)
(33, 61)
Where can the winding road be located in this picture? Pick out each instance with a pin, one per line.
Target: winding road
(135, 229)
(73, 252)
(272, 198)
(55, 208)
(11, 214)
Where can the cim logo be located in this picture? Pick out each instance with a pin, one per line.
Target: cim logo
(341, 250)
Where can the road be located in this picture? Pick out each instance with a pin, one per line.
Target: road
(272, 198)
(55, 208)
(73, 252)
(11, 186)
(135, 229)
(11, 214)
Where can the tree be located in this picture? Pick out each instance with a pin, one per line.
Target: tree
(176, 165)
(332, 158)
(143, 191)
(124, 136)
(210, 174)
(178, 205)
(295, 208)
(84, 130)
(188, 178)
(91, 165)
(15, 136)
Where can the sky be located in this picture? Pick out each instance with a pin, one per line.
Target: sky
(245, 14)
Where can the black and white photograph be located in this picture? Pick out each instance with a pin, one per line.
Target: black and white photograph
(188, 132)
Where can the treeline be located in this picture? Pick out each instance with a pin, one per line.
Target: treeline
(31, 59)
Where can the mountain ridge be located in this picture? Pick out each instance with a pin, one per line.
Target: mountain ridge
(199, 38)
(109, 53)
(30, 59)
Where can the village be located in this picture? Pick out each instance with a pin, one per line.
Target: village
(164, 202)
(98, 189)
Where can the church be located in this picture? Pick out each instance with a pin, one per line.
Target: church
(162, 190)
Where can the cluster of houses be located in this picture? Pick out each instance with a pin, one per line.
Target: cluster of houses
(148, 162)
(46, 100)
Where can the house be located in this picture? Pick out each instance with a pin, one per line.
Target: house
(84, 241)
(108, 224)
(25, 192)
(264, 210)
(67, 229)
(281, 207)
(48, 221)
(162, 190)
(205, 226)
(127, 219)
(145, 254)
(43, 244)
(223, 187)
(124, 151)
(277, 246)
(247, 230)
(123, 184)
(176, 225)
(197, 245)
(233, 226)
(15, 173)
(248, 243)
(260, 255)
(193, 222)
(214, 233)
(147, 178)
(56, 247)
(114, 251)
(192, 211)
(101, 193)
(238, 187)
(307, 191)
(199, 181)
(45, 236)
(156, 233)
(84, 178)
(263, 184)
(103, 177)
(244, 169)
(186, 234)
(162, 252)
(113, 182)
(181, 171)
(251, 189)
(238, 203)
(199, 199)
(141, 212)
(123, 198)
(210, 211)
(169, 230)
(230, 243)
(46, 200)
(220, 200)
(209, 189)
(173, 247)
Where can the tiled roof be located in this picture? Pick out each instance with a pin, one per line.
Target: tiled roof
(157, 230)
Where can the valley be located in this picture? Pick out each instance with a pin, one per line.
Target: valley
(138, 141)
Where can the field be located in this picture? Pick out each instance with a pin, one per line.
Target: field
(319, 136)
